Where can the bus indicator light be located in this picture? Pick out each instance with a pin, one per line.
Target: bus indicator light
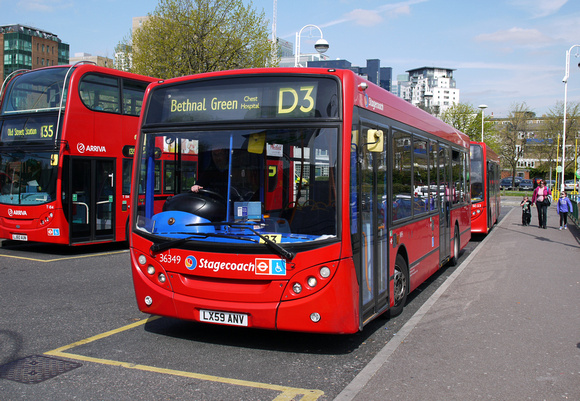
(297, 288)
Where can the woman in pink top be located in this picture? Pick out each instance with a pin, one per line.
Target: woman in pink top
(539, 198)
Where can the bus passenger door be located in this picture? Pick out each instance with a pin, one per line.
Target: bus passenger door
(373, 259)
(92, 192)
(445, 187)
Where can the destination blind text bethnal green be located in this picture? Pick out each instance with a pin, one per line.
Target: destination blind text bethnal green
(215, 104)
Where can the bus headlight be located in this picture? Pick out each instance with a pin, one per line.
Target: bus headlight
(151, 270)
(161, 277)
(312, 282)
(315, 317)
(297, 288)
(324, 272)
(142, 260)
(148, 300)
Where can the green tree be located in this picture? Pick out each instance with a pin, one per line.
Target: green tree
(467, 119)
(546, 145)
(513, 136)
(184, 37)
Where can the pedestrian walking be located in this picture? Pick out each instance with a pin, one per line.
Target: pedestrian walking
(563, 207)
(526, 205)
(541, 199)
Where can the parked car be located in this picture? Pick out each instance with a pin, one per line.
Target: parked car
(526, 185)
(569, 185)
(550, 183)
(506, 183)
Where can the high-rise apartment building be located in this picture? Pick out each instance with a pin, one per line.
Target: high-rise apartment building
(430, 87)
(25, 47)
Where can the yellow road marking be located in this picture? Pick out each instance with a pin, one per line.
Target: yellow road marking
(288, 393)
(64, 258)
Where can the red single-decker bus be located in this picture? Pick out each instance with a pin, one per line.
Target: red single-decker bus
(320, 200)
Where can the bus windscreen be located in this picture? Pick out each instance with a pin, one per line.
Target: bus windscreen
(476, 173)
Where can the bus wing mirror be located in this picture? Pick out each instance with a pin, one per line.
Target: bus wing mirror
(256, 143)
(375, 140)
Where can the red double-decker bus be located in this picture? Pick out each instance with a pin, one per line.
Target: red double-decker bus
(66, 151)
(320, 200)
(485, 195)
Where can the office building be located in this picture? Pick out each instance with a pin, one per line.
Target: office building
(25, 47)
(381, 76)
(98, 60)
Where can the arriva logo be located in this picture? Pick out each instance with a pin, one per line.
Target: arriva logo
(82, 148)
(16, 212)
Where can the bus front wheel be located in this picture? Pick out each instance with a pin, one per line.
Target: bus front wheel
(456, 247)
(400, 286)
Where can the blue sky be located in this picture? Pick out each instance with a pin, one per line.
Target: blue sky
(504, 52)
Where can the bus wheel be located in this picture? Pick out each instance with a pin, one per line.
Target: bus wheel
(400, 286)
(456, 246)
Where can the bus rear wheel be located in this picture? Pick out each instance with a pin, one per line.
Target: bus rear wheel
(400, 286)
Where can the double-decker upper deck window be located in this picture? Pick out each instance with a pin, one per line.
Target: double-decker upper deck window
(35, 91)
(133, 92)
(100, 93)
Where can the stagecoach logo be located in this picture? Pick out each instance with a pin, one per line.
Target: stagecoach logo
(82, 148)
(373, 104)
(191, 262)
(16, 212)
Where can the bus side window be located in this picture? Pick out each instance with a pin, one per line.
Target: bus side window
(100, 93)
(133, 92)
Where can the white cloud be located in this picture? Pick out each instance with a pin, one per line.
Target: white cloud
(43, 5)
(374, 17)
(539, 8)
(531, 38)
(364, 17)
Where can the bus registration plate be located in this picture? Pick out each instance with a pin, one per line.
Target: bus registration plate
(232, 319)
(20, 237)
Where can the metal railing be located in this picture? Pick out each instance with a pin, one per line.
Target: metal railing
(575, 199)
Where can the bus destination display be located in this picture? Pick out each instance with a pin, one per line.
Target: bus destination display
(29, 129)
(199, 101)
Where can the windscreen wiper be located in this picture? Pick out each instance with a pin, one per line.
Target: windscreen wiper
(286, 254)
(163, 246)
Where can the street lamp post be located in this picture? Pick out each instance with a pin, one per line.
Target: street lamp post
(321, 44)
(482, 107)
(565, 80)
